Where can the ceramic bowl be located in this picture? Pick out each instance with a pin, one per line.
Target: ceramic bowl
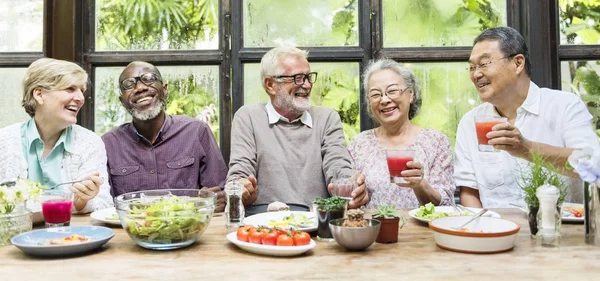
(354, 238)
(483, 235)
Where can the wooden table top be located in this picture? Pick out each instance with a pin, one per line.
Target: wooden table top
(414, 257)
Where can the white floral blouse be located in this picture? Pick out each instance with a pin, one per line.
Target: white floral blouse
(432, 149)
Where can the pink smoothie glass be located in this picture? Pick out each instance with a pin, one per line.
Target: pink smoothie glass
(56, 207)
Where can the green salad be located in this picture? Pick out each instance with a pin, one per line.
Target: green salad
(165, 220)
(428, 212)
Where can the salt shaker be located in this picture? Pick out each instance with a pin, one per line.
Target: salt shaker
(234, 208)
(548, 216)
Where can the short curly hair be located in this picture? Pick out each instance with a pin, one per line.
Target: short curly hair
(50, 74)
(407, 76)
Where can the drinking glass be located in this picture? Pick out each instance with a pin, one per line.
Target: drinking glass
(484, 125)
(396, 161)
(343, 187)
(326, 213)
(56, 207)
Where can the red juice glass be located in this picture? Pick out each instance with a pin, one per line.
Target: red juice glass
(56, 207)
(484, 125)
(396, 161)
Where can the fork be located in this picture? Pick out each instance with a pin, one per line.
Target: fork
(465, 209)
(63, 183)
(459, 211)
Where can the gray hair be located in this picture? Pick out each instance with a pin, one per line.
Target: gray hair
(407, 76)
(511, 43)
(270, 62)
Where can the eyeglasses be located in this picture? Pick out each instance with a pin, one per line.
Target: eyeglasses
(484, 66)
(391, 94)
(146, 78)
(300, 78)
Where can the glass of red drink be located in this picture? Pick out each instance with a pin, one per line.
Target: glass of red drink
(344, 185)
(56, 207)
(484, 125)
(396, 161)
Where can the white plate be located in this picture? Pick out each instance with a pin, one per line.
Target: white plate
(567, 216)
(450, 210)
(278, 251)
(104, 214)
(264, 218)
(36, 211)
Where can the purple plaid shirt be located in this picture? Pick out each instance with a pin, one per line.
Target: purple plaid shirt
(184, 155)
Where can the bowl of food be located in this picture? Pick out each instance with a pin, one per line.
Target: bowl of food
(165, 219)
(485, 235)
(354, 233)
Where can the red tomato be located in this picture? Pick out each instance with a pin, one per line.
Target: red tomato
(255, 236)
(301, 238)
(270, 238)
(285, 240)
(243, 233)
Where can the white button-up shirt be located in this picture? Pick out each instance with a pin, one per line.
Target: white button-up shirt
(547, 116)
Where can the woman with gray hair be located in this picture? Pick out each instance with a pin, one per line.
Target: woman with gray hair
(49, 148)
(393, 98)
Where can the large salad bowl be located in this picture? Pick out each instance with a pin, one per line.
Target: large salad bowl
(165, 219)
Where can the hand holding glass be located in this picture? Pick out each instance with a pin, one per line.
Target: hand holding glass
(343, 187)
(56, 207)
(484, 125)
(396, 161)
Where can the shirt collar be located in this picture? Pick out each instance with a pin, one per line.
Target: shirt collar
(33, 134)
(274, 116)
(532, 101)
(163, 130)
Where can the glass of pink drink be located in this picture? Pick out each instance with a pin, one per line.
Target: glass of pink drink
(56, 207)
(396, 161)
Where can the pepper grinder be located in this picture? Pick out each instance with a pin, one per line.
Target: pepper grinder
(234, 208)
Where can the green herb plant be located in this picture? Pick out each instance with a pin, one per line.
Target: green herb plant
(330, 204)
(540, 172)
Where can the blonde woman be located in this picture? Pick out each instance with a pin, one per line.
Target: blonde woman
(50, 148)
(394, 98)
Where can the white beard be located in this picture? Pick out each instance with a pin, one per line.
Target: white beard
(295, 106)
(149, 114)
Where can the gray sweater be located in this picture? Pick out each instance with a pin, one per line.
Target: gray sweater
(292, 162)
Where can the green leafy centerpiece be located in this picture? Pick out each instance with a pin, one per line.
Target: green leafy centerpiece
(14, 217)
(326, 210)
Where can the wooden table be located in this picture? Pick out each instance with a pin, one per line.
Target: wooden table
(414, 257)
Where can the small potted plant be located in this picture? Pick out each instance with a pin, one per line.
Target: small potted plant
(390, 223)
(328, 209)
(540, 172)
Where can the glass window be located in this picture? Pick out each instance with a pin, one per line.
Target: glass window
(21, 25)
(582, 79)
(435, 23)
(579, 21)
(313, 23)
(447, 93)
(337, 87)
(156, 25)
(193, 91)
(11, 110)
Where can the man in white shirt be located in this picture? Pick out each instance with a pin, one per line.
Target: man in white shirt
(549, 122)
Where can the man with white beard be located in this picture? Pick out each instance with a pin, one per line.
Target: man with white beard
(157, 150)
(287, 150)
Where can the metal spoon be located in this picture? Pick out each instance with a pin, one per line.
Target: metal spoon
(472, 219)
(13, 183)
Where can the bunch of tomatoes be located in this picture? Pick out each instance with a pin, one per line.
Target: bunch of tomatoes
(273, 236)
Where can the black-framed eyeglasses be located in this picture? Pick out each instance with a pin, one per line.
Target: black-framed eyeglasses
(485, 65)
(376, 95)
(300, 78)
(147, 78)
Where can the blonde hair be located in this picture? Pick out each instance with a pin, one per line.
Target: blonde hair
(269, 64)
(50, 74)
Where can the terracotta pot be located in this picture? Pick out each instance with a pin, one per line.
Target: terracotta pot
(388, 232)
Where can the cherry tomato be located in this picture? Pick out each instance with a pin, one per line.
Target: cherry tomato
(255, 236)
(270, 238)
(243, 233)
(285, 240)
(301, 238)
